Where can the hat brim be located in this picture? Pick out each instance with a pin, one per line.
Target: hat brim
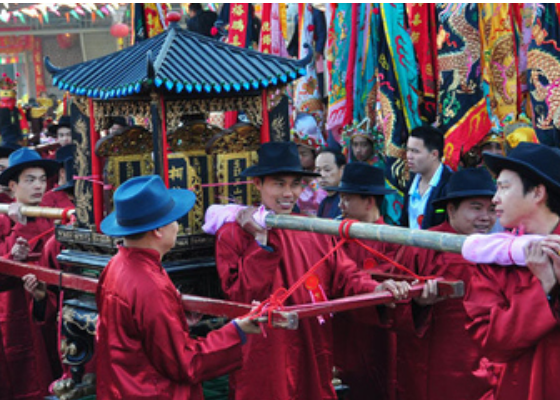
(497, 163)
(184, 202)
(51, 167)
(381, 191)
(441, 202)
(67, 185)
(257, 171)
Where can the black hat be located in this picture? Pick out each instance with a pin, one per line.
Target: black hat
(468, 182)
(64, 152)
(8, 148)
(277, 158)
(26, 158)
(362, 178)
(64, 121)
(535, 161)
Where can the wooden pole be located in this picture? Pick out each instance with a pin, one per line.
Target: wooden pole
(382, 233)
(38, 212)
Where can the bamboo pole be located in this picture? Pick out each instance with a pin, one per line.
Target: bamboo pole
(439, 241)
(38, 212)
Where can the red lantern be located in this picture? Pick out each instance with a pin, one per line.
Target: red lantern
(120, 30)
(65, 40)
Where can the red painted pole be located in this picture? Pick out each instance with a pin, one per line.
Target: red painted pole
(95, 169)
(265, 127)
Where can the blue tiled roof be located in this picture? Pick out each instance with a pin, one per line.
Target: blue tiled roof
(177, 61)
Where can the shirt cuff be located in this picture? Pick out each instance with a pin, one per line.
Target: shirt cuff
(242, 334)
(267, 248)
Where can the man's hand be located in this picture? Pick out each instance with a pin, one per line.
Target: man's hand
(37, 289)
(246, 325)
(540, 265)
(551, 247)
(399, 290)
(20, 250)
(14, 212)
(245, 218)
(429, 294)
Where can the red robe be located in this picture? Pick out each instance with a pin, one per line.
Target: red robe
(436, 358)
(294, 365)
(364, 354)
(510, 317)
(24, 352)
(144, 350)
(57, 199)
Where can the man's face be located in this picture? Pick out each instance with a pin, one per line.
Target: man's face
(362, 148)
(325, 164)
(492, 148)
(279, 193)
(64, 136)
(354, 206)
(306, 157)
(512, 206)
(30, 188)
(474, 215)
(420, 159)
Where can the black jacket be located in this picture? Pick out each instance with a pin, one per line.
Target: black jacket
(430, 217)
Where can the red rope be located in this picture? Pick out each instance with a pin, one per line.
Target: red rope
(279, 296)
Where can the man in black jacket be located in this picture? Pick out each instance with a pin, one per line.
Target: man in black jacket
(424, 151)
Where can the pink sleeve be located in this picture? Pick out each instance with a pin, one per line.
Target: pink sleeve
(497, 248)
(218, 214)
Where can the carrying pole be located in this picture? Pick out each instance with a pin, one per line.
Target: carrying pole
(39, 212)
(439, 241)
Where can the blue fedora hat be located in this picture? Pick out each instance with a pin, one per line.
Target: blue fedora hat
(536, 161)
(277, 158)
(361, 178)
(26, 158)
(468, 182)
(144, 203)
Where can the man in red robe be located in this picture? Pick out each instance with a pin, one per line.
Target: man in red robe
(295, 365)
(62, 196)
(28, 372)
(508, 309)
(436, 358)
(364, 353)
(144, 350)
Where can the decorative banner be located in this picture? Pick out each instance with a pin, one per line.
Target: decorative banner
(338, 51)
(365, 77)
(265, 41)
(154, 14)
(278, 41)
(38, 65)
(458, 62)
(307, 96)
(422, 22)
(466, 133)
(138, 23)
(238, 20)
(543, 74)
(499, 61)
(404, 64)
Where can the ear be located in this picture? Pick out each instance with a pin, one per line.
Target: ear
(540, 194)
(157, 233)
(12, 185)
(371, 203)
(451, 210)
(258, 182)
(435, 154)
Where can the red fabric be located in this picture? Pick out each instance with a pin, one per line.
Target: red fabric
(509, 316)
(22, 349)
(295, 365)
(5, 199)
(57, 199)
(364, 353)
(436, 358)
(144, 350)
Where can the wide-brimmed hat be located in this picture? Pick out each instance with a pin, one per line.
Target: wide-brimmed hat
(468, 182)
(535, 161)
(144, 203)
(26, 158)
(362, 178)
(277, 158)
(64, 121)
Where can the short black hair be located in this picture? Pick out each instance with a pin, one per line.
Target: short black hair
(339, 158)
(552, 202)
(136, 236)
(195, 7)
(432, 137)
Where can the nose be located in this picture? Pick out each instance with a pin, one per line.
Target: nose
(496, 199)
